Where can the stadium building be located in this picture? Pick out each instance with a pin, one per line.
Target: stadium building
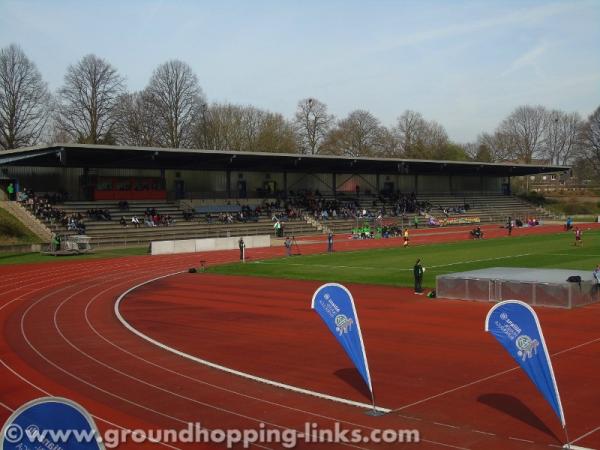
(103, 172)
(207, 193)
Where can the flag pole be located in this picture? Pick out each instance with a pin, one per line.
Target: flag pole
(567, 436)
(373, 411)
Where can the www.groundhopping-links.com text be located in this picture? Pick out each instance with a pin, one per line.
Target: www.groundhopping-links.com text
(194, 433)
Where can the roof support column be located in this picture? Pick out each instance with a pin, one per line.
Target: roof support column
(377, 187)
(450, 184)
(334, 184)
(416, 184)
(285, 186)
(228, 182)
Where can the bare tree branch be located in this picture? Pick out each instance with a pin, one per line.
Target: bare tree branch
(590, 139)
(88, 101)
(359, 134)
(178, 100)
(24, 100)
(526, 127)
(312, 124)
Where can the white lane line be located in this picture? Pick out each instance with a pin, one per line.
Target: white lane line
(446, 425)
(585, 435)
(329, 266)
(43, 391)
(521, 440)
(579, 255)
(483, 432)
(480, 380)
(184, 397)
(227, 369)
(231, 391)
(480, 260)
(6, 407)
(246, 395)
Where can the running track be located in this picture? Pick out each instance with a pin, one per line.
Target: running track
(61, 337)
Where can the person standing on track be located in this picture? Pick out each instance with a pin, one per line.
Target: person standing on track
(509, 225)
(288, 246)
(330, 242)
(406, 237)
(242, 246)
(578, 237)
(418, 271)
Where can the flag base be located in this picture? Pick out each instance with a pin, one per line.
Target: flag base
(374, 412)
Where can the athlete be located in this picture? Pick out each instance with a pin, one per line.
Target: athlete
(406, 237)
(578, 237)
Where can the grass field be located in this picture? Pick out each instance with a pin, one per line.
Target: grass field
(28, 258)
(393, 266)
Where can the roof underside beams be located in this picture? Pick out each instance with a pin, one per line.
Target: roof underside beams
(186, 160)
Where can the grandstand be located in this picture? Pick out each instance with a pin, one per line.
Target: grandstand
(207, 193)
(492, 208)
(112, 233)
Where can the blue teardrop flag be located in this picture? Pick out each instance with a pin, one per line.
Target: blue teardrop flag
(334, 303)
(516, 326)
(50, 423)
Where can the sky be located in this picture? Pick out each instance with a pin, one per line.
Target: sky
(464, 64)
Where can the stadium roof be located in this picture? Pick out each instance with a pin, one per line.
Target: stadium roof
(110, 156)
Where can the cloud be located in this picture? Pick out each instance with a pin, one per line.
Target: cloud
(516, 17)
(526, 59)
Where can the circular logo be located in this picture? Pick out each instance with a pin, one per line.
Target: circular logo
(504, 316)
(340, 319)
(13, 433)
(523, 342)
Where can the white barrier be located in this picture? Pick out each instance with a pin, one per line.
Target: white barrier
(207, 244)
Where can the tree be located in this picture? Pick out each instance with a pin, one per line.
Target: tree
(590, 136)
(88, 101)
(436, 145)
(562, 136)
(24, 100)
(495, 147)
(410, 130)
(450, 151)
(526, 127)
(421, 139)
(137, 122)
(312, 122)
(178, 100)
(276, 135)
(244, 128)
(220, 128)
(359, 134)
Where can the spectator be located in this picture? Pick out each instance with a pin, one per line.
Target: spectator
(10, 190)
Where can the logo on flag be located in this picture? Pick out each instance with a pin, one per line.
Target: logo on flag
(343, 324)
(516, 326)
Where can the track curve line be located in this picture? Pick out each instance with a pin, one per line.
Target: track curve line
(222, 368)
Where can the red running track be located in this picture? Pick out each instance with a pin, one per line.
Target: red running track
(61, 337)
